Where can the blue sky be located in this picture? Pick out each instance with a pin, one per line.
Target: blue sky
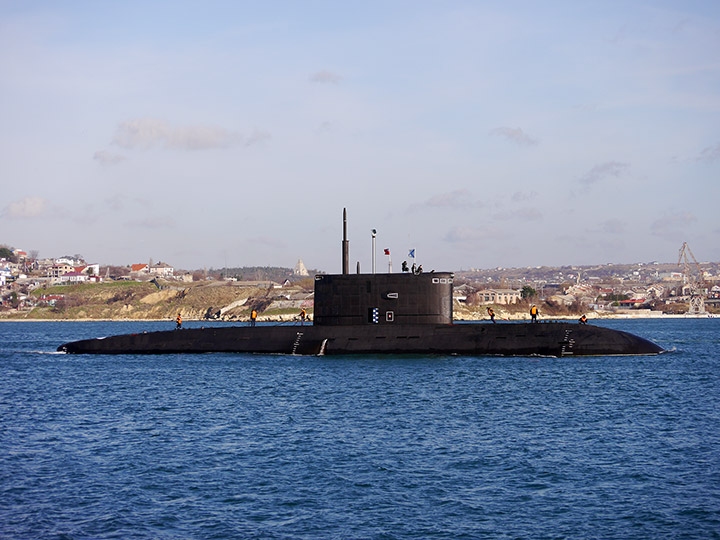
(482, 134)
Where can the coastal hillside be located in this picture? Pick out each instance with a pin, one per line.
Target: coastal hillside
(211, 300)
(134, 300)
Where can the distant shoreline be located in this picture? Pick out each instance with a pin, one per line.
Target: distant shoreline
(278, 320)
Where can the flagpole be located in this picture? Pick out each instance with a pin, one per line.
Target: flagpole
(374, 232)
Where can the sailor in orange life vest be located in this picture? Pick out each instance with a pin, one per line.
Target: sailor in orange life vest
(491, 313)
(178, 320)
(253, 316)
(533, 313)
(583, 319)
(303, 315)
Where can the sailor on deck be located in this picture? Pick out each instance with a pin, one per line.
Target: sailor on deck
(533, 313)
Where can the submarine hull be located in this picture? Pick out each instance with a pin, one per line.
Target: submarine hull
(514, 339)
(407, 313)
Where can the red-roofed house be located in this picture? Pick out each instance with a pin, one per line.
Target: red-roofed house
(90, 269)
(633, 302)
(162, 269)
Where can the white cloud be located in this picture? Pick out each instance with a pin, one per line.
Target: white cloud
(146, 133)
(603, 171)
(520, 196)
(119, 202)
(256, 137)
(459, 198)
(671, 226)
(29, 207)
(453, 199)
(515, 135)
(105, 157)
(521, 214)
(711, 153)
(325, 77)
(152, 223)
(613, 226)
(469, 234)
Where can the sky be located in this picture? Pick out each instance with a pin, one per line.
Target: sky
(482, 134)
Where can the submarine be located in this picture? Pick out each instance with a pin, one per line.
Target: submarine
(385, 313)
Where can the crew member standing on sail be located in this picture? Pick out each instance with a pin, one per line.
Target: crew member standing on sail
(491, 313)
(533, 313)
(178, 320)
(303, 315)
(253, 316)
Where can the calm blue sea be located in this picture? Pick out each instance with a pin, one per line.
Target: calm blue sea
(221, 446)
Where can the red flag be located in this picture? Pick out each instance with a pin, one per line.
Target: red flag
(387, 251)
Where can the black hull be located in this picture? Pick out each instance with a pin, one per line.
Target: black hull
(522, 339)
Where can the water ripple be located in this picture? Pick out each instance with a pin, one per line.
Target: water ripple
(283, 447)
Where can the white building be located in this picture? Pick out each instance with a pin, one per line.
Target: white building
(162, 269)
(72, 278)
(499, 296)
(69, 261)
(300, 269)
(5, 273)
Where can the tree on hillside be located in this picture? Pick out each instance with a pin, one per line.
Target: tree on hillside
(527, 292)
(307, 284)
(6, 253)
(115, 271)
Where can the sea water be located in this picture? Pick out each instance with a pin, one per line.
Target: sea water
(217, 446)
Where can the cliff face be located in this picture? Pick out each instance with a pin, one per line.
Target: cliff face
(142, 300)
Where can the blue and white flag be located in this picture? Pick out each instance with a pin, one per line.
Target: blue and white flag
(411, 254)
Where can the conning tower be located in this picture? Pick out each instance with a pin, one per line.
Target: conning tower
(381, 299)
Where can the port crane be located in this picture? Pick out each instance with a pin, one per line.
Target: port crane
(692, 279)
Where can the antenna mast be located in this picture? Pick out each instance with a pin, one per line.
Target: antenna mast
(345, 245)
